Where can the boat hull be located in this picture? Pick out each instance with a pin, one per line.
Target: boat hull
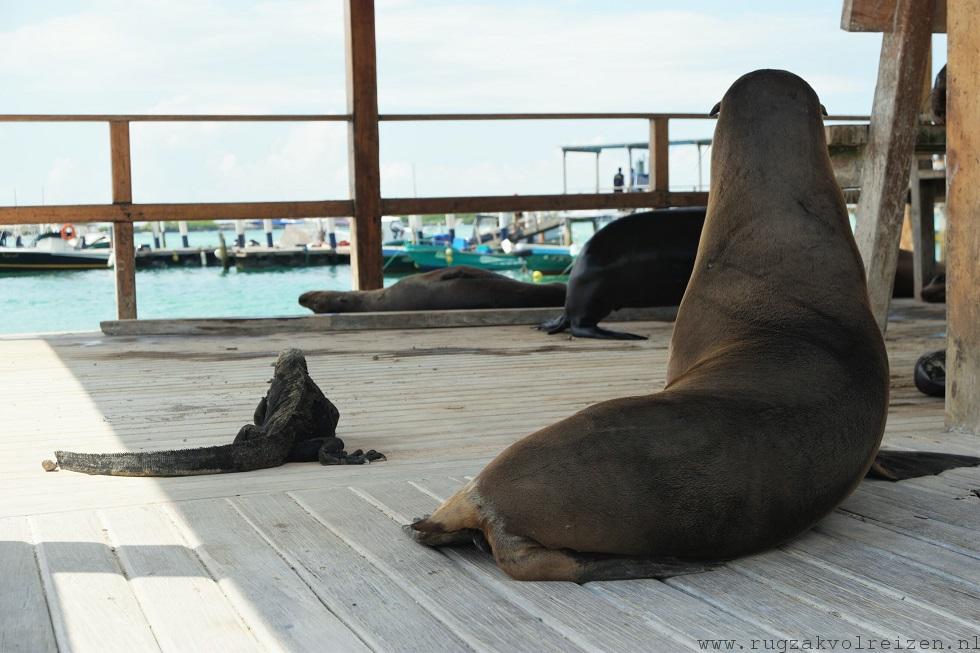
(28, 259)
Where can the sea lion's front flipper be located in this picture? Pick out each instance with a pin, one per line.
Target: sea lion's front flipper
(603, 334)
(901, 465)
(555, 325)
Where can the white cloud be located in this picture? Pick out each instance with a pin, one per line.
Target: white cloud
(207, 56)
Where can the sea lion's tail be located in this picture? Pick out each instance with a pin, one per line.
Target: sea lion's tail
(901, 465)
(555, 325)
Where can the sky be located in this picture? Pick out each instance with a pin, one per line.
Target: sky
(287, 56)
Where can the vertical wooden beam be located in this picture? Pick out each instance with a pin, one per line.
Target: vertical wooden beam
(923, 229)
(659, 154)
(891, 140)
(962, 211)
(362, 144)
(122, 232)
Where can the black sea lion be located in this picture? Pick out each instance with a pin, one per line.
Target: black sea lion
(717, 465)
(644, 259)
(456, 287)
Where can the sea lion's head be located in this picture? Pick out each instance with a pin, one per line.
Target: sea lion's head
(770, 128)
(327, 301)
(769, 92)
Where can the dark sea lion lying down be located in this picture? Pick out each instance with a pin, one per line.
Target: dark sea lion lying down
(718, 464)
(458, 287)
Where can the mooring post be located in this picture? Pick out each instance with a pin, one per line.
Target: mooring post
(240, 233)
(267, 226)
(155, 230)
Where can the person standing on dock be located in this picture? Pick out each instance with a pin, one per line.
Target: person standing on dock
(618, 181)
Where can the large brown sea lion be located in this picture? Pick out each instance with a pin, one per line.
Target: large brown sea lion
(458, 287)
(718, 464)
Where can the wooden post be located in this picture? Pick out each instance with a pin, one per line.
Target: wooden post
(891, 140)
(659, 155)
(962, 226)
(922, 213)
(122, 232)
(362, 145)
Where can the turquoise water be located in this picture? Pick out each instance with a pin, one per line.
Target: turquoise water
(79, 300)
(43, 301)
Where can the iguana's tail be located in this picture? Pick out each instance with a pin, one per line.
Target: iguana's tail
(239, 457)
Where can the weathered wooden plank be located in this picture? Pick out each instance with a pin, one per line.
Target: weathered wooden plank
(570, 202)
(170, 212)
(879, 16)
(659, 155)
(585, 618)
(862, 606)
(938, 506)
(280, 610)
(25, 625)
(913, 522)
(910, 549)
(183, 604)
(343, 208)
(362, 144)
(891, 138)
(479, 616)
(757, 604)
(362, 321)
(950, 598)
(366, 599)
(962, 226)
(93, 607)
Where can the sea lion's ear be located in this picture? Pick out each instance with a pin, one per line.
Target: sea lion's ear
(823, 111)
(715, 110)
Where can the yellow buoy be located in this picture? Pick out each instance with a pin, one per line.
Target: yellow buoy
(449, 255)
(537, 275)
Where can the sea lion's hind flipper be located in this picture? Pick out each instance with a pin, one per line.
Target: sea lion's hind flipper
(603, 334)
(555, 325)
(453, 522)
(901, 465)
(524, 559)
(598, 567)
(464, 536)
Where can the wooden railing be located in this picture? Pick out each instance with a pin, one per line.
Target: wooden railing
(366, 205)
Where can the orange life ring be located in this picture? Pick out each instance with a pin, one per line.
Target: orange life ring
(68, 232)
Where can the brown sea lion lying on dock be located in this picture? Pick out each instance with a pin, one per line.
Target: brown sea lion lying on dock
(457, 287)
(776, 396)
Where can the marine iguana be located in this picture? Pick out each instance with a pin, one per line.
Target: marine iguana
(294, 422)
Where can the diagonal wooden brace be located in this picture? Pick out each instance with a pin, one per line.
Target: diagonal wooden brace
(884, 180)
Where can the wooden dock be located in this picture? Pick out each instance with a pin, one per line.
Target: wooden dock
(306, 558)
